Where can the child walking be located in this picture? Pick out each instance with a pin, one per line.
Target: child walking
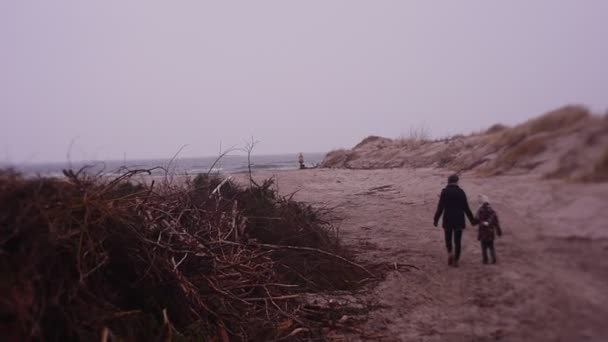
(488, 227)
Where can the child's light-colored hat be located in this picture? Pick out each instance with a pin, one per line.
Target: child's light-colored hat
(483, 199)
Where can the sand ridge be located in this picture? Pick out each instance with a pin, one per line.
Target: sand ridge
(567, 143)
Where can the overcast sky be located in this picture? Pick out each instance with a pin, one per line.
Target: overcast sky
(143, 78)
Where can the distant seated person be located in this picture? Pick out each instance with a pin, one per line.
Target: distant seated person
(301, 161)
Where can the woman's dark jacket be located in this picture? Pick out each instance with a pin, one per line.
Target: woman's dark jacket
(453, 205)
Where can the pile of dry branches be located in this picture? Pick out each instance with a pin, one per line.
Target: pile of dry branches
(90, 258)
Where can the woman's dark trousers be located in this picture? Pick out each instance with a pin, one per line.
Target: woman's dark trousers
(456, 234)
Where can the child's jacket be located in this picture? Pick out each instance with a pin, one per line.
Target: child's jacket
(488, 223)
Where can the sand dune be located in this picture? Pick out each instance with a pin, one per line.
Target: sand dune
(567, 143)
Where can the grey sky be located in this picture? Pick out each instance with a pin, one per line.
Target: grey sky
(145, 77)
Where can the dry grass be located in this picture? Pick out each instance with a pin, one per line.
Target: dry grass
(334, 158)
(600, 131)
(510, 158)
(600, 170)
(558, 119)
(496, 128)
(568, 164)
(509, 138)
(406, 142)
(340, 158)
(445, 159)
(417, 135)
(449, 138)
(420, 133)
(575, 136)
(369, 140)
(89, 259)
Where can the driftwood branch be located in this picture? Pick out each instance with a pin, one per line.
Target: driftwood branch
(310, 249)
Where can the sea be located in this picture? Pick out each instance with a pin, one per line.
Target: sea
(179, 166)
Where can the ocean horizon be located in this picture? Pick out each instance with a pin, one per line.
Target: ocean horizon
(179, 166)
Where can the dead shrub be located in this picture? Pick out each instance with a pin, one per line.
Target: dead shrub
(417, 136)
(89, 259)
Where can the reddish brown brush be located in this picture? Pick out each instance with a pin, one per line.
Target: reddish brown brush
(88, 258)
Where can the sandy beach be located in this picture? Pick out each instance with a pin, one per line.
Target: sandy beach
(270, 171)
(550, 281)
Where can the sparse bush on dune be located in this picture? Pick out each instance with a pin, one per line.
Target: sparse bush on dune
(406, 142)
(417, 136)
(93, 259)
(419, 133)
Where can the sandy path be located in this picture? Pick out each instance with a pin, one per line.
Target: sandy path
(551, 280)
